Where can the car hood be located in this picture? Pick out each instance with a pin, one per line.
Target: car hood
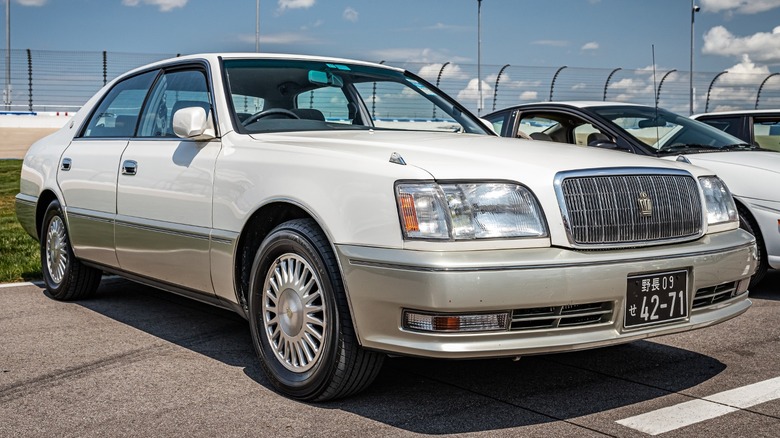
(752, 174)
(450, 156)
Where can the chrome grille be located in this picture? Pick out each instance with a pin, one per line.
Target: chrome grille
(572, 315)
(630, 209)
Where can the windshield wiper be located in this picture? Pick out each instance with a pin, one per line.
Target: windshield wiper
(745, 146)
(685, 147)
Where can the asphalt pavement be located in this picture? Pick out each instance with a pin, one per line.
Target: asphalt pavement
(136, 361)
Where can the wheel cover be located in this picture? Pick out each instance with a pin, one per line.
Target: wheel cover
(56, 250)
(293, 313)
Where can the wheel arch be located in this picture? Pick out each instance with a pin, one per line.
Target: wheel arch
(46, 197)
(255, 230)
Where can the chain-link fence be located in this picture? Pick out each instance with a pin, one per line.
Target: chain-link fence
(43, 80)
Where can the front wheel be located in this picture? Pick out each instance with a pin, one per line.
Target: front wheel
(299, 317)
(65, 277)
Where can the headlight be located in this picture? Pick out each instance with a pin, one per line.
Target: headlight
(468, 211)
(718, 201)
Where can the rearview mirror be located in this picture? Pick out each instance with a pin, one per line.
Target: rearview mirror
(656, 122)
(325, 78)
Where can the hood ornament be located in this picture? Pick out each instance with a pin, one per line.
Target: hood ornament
(645, 204)
(396, 158)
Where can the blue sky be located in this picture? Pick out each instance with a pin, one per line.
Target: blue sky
(581, 33)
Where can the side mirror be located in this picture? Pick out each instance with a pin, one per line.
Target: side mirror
(192, 123)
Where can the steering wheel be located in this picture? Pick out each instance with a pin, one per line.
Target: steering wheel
(269, 112)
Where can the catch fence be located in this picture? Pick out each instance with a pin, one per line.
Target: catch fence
(42, 80)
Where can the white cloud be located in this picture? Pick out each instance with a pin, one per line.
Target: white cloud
(590, 46)
(529, 95)
(551, 43)
(471, 92)
(295, 4)
(164, 5)
(761, 46)
(451, 71)
(580, 86)
(350, 14)
(279, 38)
(31, 2)
(739, 6)
(424, 55)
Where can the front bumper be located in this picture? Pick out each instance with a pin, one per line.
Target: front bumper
(381, 283)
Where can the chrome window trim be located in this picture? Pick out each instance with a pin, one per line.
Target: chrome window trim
(623, 171)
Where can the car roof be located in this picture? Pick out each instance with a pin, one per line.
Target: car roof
(760, 112)
(581, 104)
(215, 58)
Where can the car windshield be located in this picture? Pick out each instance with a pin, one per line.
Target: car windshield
(667, 132)
(273, 95)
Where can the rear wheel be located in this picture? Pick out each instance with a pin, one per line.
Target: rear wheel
(299, 317)
(65, 277)
(747, 223)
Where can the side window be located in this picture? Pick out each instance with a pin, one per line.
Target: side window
(247, 105)
(173, 91)
(539, 127)
(398, 106)
(729, 125)
(588, 135)
(497, 122)
(767, 133)
(117, 114)
(330, 101)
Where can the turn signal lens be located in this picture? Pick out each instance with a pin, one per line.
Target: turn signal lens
(455, 323)
(409, 214)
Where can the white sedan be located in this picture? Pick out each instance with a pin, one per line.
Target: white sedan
(349, 210)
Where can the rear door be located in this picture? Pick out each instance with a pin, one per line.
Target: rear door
(88, 169)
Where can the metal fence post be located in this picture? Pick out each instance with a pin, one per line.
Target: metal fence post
(761, 87)
(606, 84)
(552, 84)
(438, 80)
(661, 84)
(495, 89)
(707, 104)
(29, 80)
(105, 67)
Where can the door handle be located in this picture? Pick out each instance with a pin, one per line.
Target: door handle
(129, 167)
(65, 166)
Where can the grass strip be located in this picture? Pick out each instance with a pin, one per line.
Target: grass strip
(20, 258)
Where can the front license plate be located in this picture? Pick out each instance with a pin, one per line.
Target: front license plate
(656, 298)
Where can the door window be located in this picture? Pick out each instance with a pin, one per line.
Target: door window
(173, 91)
(117, 115)
(766, 132)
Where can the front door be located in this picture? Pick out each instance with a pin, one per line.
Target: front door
(164, 194)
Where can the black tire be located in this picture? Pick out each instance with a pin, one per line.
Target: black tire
(747, 223)
(295, 279)
(65, 277)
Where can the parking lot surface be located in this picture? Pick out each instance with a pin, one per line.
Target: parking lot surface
(136, 361)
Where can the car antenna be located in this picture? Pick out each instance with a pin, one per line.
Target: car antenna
(655, 99)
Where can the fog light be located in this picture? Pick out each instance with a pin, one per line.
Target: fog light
(456, 323)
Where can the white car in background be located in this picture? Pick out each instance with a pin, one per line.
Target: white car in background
(349, 210)
(751, 173)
